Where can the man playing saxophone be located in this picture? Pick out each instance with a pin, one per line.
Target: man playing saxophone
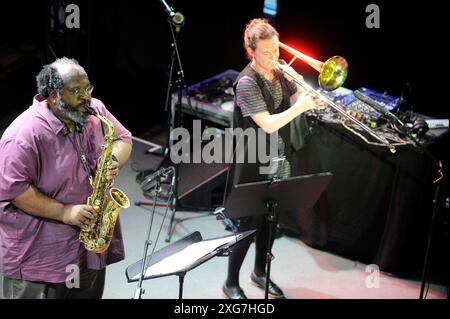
(48, 157)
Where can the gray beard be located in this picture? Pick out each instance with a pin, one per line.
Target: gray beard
(71, 113)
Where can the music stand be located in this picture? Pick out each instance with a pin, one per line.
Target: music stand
(182, 256)
(270, 196)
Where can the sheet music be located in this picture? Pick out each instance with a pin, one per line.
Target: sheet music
(187, 256)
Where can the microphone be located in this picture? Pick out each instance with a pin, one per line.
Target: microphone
(150, 180)
(227, 221)
(171, 170)
(377, 106)
(177, 18)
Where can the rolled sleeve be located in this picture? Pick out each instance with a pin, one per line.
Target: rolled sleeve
(18, 168)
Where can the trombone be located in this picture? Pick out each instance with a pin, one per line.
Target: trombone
(332, 74)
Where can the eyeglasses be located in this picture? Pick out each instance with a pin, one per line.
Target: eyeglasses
(79, 91)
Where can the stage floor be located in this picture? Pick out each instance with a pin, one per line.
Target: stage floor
(301, 271)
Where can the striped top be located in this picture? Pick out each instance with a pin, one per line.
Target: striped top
(251, 101)
(250, 98)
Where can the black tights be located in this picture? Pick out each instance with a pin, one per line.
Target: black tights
(239, 251)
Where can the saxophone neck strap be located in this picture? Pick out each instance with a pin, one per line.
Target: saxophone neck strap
(81, 155)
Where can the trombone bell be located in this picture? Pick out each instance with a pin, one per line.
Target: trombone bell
(332, 73)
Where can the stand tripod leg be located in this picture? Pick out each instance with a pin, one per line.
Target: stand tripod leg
(180, 288)
(430, 238)
(169, 230)
(272, 218)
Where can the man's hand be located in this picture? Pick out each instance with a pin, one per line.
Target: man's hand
(113, 170)
(79, 215)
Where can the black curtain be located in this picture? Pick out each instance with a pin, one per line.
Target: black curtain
(378, 205)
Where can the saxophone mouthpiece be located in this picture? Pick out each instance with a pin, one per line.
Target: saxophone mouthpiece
(90, 110)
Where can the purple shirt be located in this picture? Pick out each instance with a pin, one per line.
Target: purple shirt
(36, 150)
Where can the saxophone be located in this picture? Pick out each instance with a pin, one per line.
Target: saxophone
(107, 201)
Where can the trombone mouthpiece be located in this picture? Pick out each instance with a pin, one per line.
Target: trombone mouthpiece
(276, 65)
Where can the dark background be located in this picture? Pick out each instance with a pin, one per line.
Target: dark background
(126, 48)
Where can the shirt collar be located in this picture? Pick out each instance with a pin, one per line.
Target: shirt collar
(56, 125)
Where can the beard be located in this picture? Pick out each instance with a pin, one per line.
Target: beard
(72, 112)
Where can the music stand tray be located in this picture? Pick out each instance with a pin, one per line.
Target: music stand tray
(184, 255)
(250, 199)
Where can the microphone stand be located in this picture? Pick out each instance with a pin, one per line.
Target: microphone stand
(139, 291)
(436, 199)
(175, 20)
(175, 119)
(394, 120)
